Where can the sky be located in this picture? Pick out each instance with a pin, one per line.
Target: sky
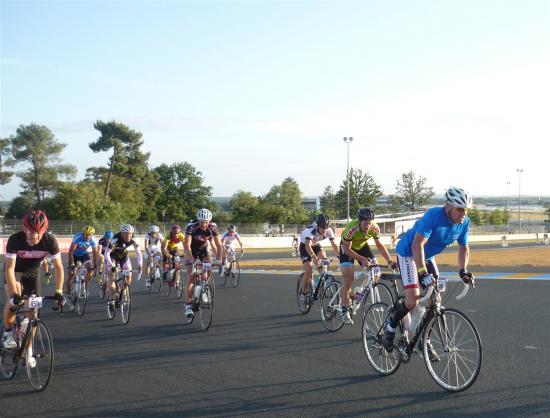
(252, 92)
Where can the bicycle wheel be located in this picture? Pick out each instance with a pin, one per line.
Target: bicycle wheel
(82, 299)
(9, 360)
(452, 350)
(125, 304)
(40, 344)
(234, 273)
(223, 276)
(101, 286)
(331, 307)
(380, 293)
(206, 306)
(73, 296)
(170, 283)
(373, 332)
(157, 279)
(304, 300)
(179, 285)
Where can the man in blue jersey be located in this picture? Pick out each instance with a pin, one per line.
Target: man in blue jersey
(430, 235)
(78, 251)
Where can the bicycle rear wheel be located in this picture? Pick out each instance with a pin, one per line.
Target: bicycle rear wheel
(452, 350)
(304, 300)
(82, 299)
(206, 306)
(9, 360)
(331, 307)
(40, 344)
(125, 304)
(234, 273)
(373, 332)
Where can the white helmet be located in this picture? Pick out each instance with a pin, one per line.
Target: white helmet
(127, 228)
(458, 198)
(153, 229)
(204, 215)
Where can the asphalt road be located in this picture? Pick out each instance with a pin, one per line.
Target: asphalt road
(262, 358)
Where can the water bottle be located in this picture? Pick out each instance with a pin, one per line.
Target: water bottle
(416, 316)
(197, 291)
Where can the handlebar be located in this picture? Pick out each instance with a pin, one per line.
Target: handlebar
(465, 289)
(25, 298)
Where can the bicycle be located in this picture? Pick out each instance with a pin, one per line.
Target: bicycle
(34, 344)
(294, 250)
(78, 292)
(123, 297)
(102, 279)
(172, 278)
(155, 274)
(203, 294)
(370, 291)
(231, 269)
(48, 262)
(449, 340)
(305, 301)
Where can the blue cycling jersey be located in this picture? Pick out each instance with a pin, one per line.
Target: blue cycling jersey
(82, 245)
(439, 230)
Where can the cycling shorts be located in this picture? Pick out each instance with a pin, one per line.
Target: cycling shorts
(347, 261)
(305, 256)
(409, 275)
(31, 285)
(82, 258)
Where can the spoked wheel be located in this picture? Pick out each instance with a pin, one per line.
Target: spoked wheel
(206, 306)
(170, 283)
(380, 293)
(452, 350)
(304, 299)
(125, 304)
(373, 332)
(179, 285)
(8, 358)
(223, 276)
(157, 279)
(39, 348)
(102, 286)
(234, 273)
(73, 296)
(82, 299)
(331, 307)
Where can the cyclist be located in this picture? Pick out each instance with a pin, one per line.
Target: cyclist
(354, 247)
(103, 243)
(295, 244)
(197, 237)
(311, 251)
(170, 247)
(78, 251)
(430, 235)
(153, 244)
(227, 241)
(25, 251)
(117, 254)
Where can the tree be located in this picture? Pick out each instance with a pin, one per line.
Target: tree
(182, 191)
(328, 202)
(413, 191)
(36, 146)
(19, 206)
(5, 161)
(283, 203)
(244, 206)
(476, 217)
(363, 191)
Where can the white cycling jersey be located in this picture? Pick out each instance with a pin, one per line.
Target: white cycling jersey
(153, 245)
(227, 239)
(311, 233)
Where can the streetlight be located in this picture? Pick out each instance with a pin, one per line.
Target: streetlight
(348, 140)
(519, 171)
(507, 195)
(163, 225)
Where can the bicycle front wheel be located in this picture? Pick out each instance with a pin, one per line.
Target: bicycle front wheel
(125, 304)
(157, 279)
(102, 286)
(234, 273)
(39, 348)
(382, 361)
(304, 301)
(179, 284)
(331, 307)
(9, 360)
(206, 306)
(380, 293)
(82, 299)
(452, 350)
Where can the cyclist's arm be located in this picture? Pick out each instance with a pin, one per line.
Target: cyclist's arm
(187, 248)
(139, 256)
(383, 250)
(334, 247)
(309, 250)
(463, 256)
(418, 251)
(95, 254)
(59, 273)
(241, 244)
(346, 247)
(219, 247)
(71, 251)
(146, 245)
(107, 257)
(10, 274)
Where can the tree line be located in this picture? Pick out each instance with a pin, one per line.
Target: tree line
(127, 189)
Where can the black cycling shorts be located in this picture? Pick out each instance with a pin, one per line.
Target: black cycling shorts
(31, 284)
(305, 256)
(365, 252)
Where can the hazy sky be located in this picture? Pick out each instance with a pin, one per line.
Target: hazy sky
(252, 92)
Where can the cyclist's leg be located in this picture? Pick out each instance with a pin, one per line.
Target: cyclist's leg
(126, 264)
(147, 263)
(87, 262)
(320, 253)
(9, 316)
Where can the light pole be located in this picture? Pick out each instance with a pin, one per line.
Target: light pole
(519, 170)
(348, 140)
(163, 226)
(507, 195)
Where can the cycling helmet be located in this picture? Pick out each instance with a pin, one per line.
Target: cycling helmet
(88, 230)
(458, 198)
(322, 221)
(204, 215)
(232, 228)
(36, 221)
(127, 228)
(365, 214)
(108, 234)
(153, 229)
(176, 228)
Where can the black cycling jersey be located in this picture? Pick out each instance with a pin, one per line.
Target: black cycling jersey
(28, 257)
(119, 247)
(200, 237)
(104, 242)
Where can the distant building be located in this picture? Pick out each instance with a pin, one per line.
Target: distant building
(311, 204)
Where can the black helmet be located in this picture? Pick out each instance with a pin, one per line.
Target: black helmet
(322, 221)
(365, 214)
(232, 228)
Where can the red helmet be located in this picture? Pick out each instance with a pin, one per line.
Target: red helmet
(176, 228)
(36, 220)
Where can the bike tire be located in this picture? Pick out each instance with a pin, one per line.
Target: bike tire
(381, 292)
(381, 361)
(158, 279)
(206, 306)
(73, 295)
(102, 287)
(125, 304)
(9, 359)
(41, 342)
(223, 277)
(111, 310)
(331, 307)
(234, 273)
(180, 287)
(82, 299)
(456, 341)
(304, 303)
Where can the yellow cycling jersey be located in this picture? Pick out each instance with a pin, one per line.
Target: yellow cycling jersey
(352, 232)
(172, 241)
